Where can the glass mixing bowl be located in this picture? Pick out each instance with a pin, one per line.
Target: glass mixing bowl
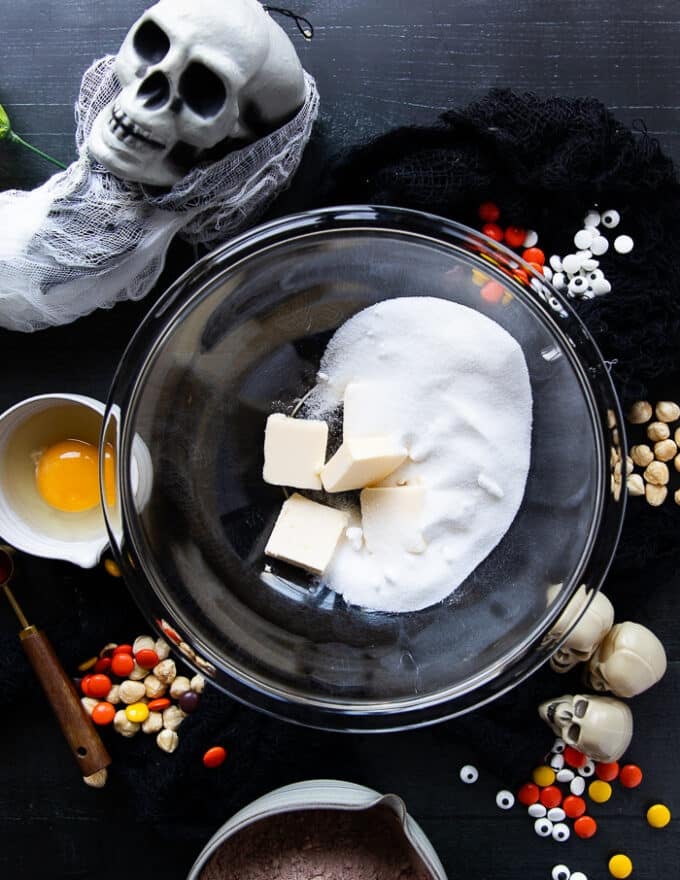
(241, 335)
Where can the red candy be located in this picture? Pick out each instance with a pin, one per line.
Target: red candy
(122, 649)
(158, 705)
(534, 255)
(630, 776)
(493, 230)
(122, 665)
(514, 236)
(574, 758)
(521, 275)
(489, 212)
(528, 794)
(492, 291)
(214, 757)
(550, 796)
(147, 658)
(585, 827)
(574, 806)
(607, 772)
(96, 685)
(103, 664)
(103, 713)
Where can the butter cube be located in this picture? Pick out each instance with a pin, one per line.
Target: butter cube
(361, 461)
(294, 451)
(392, 519)
(306, 533)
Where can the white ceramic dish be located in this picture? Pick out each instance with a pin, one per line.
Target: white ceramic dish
(322, 794)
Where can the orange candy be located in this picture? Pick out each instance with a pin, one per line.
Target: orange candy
(214, 757)
(122, 664)
(96, 685)
(103, 664)
(534, 255)
(159, 705)
(103, 713)
(493, 230)
(585, 827)
(607, 772)
(122, 649)
(574, 806)
(492, 291)
(520, 274)
(147, 658)
(528, 794)
(489, 212)
(630, 776)
(514, 236)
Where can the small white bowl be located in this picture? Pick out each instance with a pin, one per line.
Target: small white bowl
(322, 794)
(27, 522)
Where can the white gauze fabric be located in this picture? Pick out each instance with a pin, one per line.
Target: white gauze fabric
(86, 239)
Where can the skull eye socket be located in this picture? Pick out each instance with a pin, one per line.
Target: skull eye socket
(151, 42)
(574, 732)
(580, 708)
(202, 91)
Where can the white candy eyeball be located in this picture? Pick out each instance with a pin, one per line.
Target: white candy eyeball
(611, 219)
(623, 244)
(558, 280)
(469, 774)
(531, 238)
(578, 284)
(505, 799)
(543, 827)
(548, 272)
(537, 811)
(560, 832)
(555, 263)
(577, 786)
(590, 264)
(599, 246)
(565, 775)
(601, 286)
(572, 263)
(556, 814)
(578, 875)
(588, 769)
(595, 275)
(557, 762)
(560, 872)
(583, 238)
(558, 746)
(592, 219)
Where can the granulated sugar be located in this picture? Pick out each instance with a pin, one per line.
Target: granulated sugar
(319, 845)
(453, 387)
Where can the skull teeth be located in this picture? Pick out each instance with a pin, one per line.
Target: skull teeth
(128, 131)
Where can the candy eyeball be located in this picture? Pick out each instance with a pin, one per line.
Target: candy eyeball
(558, 746)
(543, 827)
(560, 832)
(468, 774)
(560, 872)
(611, 219)
(505, 799)
(588, 769)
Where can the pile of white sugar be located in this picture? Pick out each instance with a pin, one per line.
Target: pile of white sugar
(453, 387)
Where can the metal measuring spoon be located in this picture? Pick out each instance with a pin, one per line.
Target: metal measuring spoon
(84, 741)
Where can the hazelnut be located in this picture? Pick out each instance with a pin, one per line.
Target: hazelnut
(142, 642)
(629, 465)
(635, 485)
(198, 683)
(642, 455)
(88, 704)
(154, 687)
(154, 723)
(658, 431)
(665, 450)
(640, 412)
(165, 671)
(162, 649)
(138, 672)
(173, 717)
(123, 725)
(676, 496)
(167, 740)
(179, 686)
(131, 692)
(667, 411)
(113, 695)
(656, 473)
(655, 495)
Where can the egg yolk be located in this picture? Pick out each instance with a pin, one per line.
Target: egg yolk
(67, 476)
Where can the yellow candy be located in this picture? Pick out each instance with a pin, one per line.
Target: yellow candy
(599, 791)
(137, 712)
(87, 664)
(543, 776)
(620, 866)
(658, 816)
(479, 278)
(112, 568)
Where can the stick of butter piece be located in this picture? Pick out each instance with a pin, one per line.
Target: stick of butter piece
(392, 519)
(294, 451)
(361, 461)
(306, 533)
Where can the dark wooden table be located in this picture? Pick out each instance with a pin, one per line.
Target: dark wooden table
(378, 65)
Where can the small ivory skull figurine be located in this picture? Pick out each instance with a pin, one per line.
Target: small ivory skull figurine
(629, 660)
(600, 727)
(195, 74)
(582, 641)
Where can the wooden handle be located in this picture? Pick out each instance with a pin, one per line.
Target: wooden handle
(83, 739)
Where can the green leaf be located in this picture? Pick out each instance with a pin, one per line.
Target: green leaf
(5, 125)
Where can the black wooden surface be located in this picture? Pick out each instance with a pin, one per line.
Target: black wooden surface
(378, 64)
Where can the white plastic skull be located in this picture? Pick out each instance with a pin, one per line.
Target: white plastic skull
(629, 660)
(600, 727)
(582, 641)
(194, 74)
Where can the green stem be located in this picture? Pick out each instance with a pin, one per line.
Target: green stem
(13, 136)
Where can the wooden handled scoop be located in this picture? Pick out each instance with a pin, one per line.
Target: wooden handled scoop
(84, 741)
